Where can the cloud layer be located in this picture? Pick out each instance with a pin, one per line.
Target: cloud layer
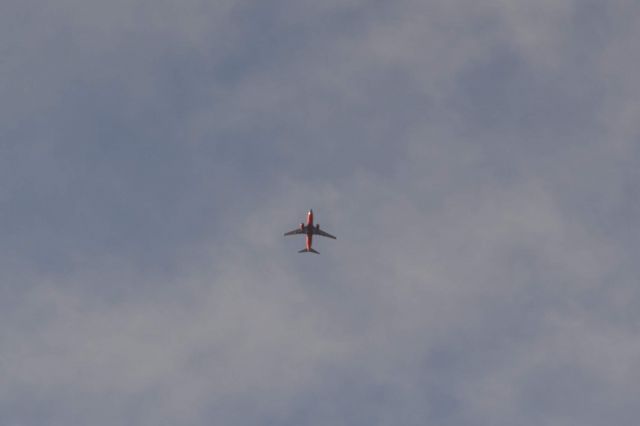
(478, 163)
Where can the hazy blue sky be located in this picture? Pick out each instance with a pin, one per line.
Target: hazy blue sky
(479, 162)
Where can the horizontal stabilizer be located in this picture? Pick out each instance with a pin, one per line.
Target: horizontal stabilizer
(308, 251)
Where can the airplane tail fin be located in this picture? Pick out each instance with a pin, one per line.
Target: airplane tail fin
(308, 251)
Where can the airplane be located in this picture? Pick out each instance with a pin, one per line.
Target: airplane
(309, 230)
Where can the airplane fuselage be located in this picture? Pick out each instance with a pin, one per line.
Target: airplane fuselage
(309, 239)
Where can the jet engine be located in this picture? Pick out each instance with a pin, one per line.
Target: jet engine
(317, 226)
(302, 226)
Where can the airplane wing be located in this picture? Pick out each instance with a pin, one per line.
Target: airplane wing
(296, 231)
(318, 231)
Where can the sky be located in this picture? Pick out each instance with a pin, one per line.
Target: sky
(478, 162)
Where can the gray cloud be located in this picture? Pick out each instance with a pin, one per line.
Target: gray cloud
(477, 162)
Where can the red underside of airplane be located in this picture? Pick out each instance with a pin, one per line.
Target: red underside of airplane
(309, 230)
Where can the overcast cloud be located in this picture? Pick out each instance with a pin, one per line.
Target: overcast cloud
(478, 162)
